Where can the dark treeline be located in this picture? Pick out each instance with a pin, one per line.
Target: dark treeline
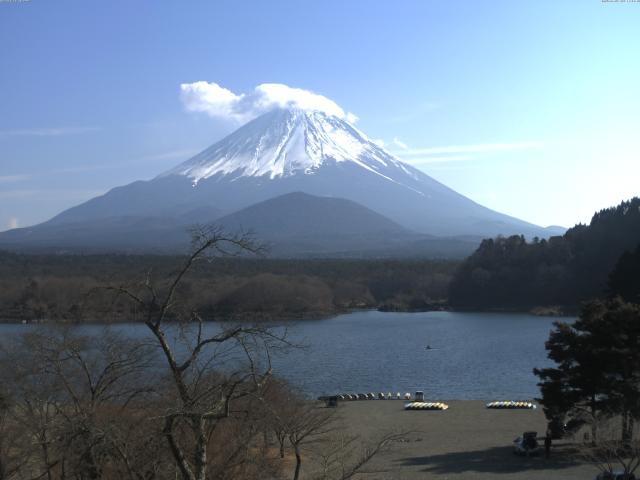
(512, 273)
(624, 280)
(67, 287)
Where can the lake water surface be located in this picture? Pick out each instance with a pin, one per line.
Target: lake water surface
(472, 356)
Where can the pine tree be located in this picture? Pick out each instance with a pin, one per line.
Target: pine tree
(598, 366)
(624, 280)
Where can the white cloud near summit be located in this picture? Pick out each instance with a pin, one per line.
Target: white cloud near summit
(400, 143)
(220, 102)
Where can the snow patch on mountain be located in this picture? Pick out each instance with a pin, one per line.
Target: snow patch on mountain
(286, 142)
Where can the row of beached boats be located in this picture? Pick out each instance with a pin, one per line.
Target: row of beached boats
(418, 403)
(426, 406)
(511, 404)
(374, 396)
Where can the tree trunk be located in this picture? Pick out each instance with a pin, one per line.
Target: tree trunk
(176, 451)
(296, 474)
(201, 448)
(594, 421)
(90, 466)
(45, 454)
(627, 428)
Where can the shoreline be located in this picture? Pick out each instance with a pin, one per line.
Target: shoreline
(292, 317)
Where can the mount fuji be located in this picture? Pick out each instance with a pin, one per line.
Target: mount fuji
(279, 153)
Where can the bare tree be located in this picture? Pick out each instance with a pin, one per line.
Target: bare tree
(307, 424)
(341, 457)
(191, 399)
(33, 418)
(611, 453)
(199, 363)
(98, 379)
(279, 405)
(74, 397)
(11, 460)
(318, 433)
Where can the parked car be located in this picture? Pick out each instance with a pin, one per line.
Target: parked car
(615, 476)
(527, 444)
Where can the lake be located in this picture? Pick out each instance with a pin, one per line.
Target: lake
(473, 355)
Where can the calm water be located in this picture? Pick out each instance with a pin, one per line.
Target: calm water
(473, 355)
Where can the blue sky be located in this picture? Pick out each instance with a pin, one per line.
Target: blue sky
(530, 108)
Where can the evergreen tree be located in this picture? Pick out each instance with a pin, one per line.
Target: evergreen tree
(598, 366)
(513, 273)
(624, 280)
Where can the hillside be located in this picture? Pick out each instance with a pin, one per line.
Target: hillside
(513, 273)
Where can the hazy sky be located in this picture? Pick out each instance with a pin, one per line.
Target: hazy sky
(530, 108)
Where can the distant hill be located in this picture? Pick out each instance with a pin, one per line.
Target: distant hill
(128, 234)
(302, 215)
(302, 225)
(291, 225)
(564, 270)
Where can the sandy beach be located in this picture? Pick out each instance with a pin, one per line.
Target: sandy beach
(467, 441)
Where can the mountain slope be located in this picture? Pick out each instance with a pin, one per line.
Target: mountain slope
(286, 151)
(292, 225)
(133, 234)
(281, 152)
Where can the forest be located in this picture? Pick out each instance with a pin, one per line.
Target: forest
(589, 261)
(71, 288)
(505, 273)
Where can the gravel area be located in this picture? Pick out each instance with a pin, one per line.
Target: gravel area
(467, 441)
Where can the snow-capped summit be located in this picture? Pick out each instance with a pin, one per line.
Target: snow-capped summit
(286, 142)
